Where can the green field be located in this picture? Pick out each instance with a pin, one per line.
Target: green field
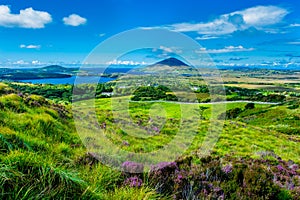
(241, 136)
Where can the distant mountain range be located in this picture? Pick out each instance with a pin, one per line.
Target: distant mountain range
(167, 66)
(57, 69)
(52, 71)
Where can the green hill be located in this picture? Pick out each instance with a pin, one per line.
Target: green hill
(57, 69)
(42, 157)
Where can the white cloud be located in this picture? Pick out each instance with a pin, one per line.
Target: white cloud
(260, 17)
(27, 18)
(170, 49)
(263, 15)
(36, 62)
(101, 34)
(217, 27)
(166, 49)
(125, 62)
(30, 46)
(74, 20)
(294, 25)
(206, 37)
(20, 62)
(294, 43)
(227, 49)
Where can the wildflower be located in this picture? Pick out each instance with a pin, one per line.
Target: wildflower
(164, 165)
(20, 94)
(294, 167)
(132, 167)
(217, 189)
(290, 186)
(125, 143)
(280, 168)
(222, 197)
(133, 181)
(227, 169)
(179, 178)
(156, 129)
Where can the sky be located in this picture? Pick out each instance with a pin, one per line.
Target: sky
(232, 32)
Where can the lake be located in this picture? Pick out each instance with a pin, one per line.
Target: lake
(69, 80)
(82, 79)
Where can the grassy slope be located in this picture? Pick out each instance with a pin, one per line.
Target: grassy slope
(256, 130)
(42, 156)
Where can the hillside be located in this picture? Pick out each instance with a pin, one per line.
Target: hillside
(42, 157)
(248, 148)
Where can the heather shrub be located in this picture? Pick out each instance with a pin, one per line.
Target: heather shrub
(162, 177)
(227, 178)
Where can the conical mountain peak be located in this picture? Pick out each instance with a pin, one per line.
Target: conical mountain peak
(171, 62)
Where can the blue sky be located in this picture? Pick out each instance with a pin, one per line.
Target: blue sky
(233, 32)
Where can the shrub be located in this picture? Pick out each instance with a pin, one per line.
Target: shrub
(230, 178)
(249, 106)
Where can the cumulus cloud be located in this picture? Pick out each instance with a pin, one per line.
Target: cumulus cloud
(30, 46)
(260, 17)
(74, 20)
(27, 18)
(227, 49)
(263, 15)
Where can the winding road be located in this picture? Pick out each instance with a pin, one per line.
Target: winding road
(208, 103)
